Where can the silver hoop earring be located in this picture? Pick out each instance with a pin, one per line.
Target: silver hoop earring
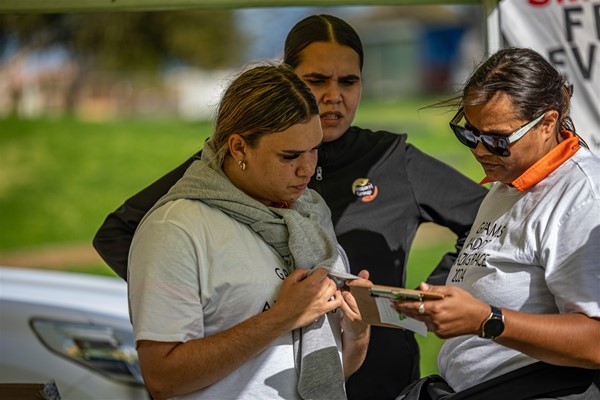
(242, 164)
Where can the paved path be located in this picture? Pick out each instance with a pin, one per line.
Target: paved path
(53, 257)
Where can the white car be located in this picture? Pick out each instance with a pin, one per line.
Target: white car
(70, 328)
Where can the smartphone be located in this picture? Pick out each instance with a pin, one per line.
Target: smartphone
(403, 294)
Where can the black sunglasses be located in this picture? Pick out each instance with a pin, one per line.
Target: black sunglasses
(495, 143)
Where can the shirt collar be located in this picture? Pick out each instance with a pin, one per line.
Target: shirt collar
(545, 165)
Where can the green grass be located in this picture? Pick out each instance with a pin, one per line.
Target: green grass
(59, 178)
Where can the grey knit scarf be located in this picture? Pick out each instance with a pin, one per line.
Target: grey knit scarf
(302, 235)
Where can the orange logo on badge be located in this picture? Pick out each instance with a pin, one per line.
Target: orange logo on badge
(364, 189)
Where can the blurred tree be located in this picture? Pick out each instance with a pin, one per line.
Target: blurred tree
(207, 39)
(126, 41)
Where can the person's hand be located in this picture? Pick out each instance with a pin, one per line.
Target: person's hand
(458, 313)
(303, 298)
(363, 279)
(351, 321)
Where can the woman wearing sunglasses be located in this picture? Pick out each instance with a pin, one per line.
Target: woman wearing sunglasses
(521, 310)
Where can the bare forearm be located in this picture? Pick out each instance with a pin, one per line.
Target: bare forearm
(172, 369)
(354, 351)
(564, 339)
(561, 339)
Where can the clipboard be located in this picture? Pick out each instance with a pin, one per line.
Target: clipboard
(374, 302)
(397, 293)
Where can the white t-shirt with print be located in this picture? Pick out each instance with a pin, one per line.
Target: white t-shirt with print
(537, 252)
(179, 290)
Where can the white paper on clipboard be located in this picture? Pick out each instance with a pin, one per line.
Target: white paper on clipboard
(389, 315)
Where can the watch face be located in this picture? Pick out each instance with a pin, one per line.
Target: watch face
(493, 327)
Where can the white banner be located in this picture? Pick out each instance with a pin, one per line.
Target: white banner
(567, 33)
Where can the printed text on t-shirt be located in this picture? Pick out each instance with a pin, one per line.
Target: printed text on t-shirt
(472, 254)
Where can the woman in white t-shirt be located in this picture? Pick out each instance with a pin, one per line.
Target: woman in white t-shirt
(524, 291)
(226, 295)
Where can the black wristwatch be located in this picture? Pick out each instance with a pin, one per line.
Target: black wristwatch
(494, 325)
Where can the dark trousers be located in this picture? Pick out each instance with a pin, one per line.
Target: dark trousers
(392, 363)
